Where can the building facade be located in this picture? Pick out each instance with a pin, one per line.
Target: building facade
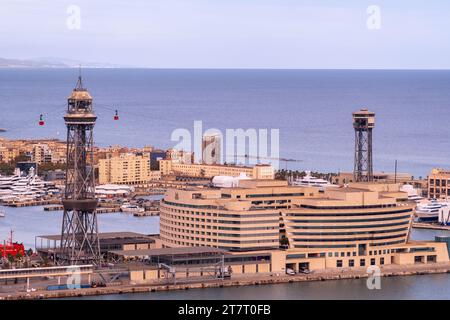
(439, 184)
(170, 167)
(298, 227)
(128, 168)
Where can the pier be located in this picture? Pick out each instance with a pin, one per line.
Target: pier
(146, 214)
(21, 204)
(99, 210)
(420, 225)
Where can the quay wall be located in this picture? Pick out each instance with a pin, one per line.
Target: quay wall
(322, 276)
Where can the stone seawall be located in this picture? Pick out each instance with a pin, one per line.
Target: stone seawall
(390, 271)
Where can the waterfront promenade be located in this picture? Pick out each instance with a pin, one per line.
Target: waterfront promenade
(329, 274)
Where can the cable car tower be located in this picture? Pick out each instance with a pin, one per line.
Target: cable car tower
(363, 123)
(79, 236)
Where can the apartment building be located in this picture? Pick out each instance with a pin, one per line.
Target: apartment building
(170, 167)
(439, 183)
(125, 168)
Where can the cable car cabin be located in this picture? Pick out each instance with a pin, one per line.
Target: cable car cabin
(41, 120)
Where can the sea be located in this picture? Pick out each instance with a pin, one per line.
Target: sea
(310, 108)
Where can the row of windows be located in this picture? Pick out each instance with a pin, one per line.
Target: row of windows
(362, 262)
(354, 226)
(199, 206)
(381, 244)
(246, 222)
(437, 191)
(300, 194)
(350, 239)
(346, 233)
(275, 242)
(351, 220)
(247, 229)
(175, 220)
(350, 214)
(348, 207)
(239, 216)
(248, 235)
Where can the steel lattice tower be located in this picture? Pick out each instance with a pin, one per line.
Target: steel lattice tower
(79, 235)
(363, 123)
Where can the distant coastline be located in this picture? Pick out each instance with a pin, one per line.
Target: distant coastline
(53, 63)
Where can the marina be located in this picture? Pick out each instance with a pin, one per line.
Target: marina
(25, 188)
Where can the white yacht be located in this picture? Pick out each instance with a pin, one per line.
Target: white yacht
(24, 188)
(413, 194)
(310, 181)
(127, 207)
(429, 211)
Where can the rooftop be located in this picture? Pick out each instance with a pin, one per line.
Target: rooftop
(103, 235)
(168, 251)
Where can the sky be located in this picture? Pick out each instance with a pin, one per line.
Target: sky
(320, 34)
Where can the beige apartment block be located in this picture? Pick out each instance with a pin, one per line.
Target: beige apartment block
(439, 184)
(128, 168)
(41, 150)
(170, 167)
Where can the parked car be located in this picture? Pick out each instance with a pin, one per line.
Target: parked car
(305, 271)
(290, 272)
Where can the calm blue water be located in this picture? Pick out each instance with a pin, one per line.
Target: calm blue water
(311, 108)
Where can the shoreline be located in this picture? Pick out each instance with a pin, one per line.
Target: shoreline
(326, 275)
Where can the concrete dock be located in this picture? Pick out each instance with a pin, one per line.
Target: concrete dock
(99, 209)
(21, 204)
(331, 274)
(421, 225)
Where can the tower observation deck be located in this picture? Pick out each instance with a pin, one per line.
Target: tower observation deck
(363, 123)
(79, 235)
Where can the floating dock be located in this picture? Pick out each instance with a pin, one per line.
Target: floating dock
(21, 204)
(99, 210)
(421, 225)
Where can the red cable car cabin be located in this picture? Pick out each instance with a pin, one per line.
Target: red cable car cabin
(41, 120)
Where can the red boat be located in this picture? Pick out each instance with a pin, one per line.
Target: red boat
(11, 248)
